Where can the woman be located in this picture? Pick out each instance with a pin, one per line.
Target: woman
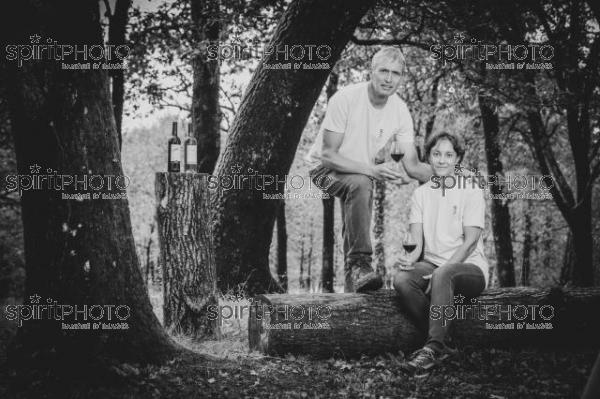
(446, 221)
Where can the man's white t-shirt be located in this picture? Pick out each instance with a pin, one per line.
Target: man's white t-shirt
(443, 216)
(366, 129)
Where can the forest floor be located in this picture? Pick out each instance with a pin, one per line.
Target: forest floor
(227, 369)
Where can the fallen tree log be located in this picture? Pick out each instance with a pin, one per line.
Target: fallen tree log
(351, 325)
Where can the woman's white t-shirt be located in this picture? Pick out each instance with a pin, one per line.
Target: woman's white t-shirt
(443, 215)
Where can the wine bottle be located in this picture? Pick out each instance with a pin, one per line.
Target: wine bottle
(174, 151)
(190, 151)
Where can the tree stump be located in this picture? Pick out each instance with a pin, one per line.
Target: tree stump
(186, 253)
(351, 325)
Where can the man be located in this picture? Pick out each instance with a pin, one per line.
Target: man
(360, 120)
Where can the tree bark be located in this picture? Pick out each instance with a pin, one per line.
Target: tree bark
(577, 212)
(568, 261)
(352, 325)
(206, 113)
(282, 247)
(78, 252)
(592, 387)
(186, 253)
(309, 260)
(116, 36)
(501, 228)
(327, 268)
(379, 228)
(527, 246)
(301, 274)
(265, 135)
(581, 227)
(149, 267)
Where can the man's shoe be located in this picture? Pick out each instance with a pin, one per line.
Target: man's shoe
(365, 279)
(424, 359)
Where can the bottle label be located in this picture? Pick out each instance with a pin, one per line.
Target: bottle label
(175, 155)
(191, 155)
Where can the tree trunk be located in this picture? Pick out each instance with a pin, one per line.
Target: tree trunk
(527, 247)
(505, 267)
(149, 268)
(116, 36)
(379, 228)
(592, 387)
(327, 267)
(186, 253)
(435, 86)
(206, 113)
(301, 274)
(265, 135)
(309, 260)
(282, 247)
(352, 325)
(78, 252)
(568, 260)
(582, 240)
(575, 208)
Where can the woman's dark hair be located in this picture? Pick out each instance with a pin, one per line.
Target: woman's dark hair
(455, 141)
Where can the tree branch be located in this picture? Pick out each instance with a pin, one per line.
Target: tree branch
(108, 13)
(388, 42)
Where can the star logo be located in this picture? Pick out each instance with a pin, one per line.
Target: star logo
(35, 168)
(35, 298)
(35, 39)
(459, 298)
(236, 169)
(459, 38)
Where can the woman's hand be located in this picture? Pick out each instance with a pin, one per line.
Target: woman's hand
(406, 263)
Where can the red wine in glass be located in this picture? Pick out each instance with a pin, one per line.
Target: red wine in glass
(397, 156)
(396, 152)
(409, 247)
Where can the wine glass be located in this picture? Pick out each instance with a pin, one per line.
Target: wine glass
(396, 151)
(409, 245)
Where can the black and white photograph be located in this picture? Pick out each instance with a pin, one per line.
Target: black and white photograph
(299, 199)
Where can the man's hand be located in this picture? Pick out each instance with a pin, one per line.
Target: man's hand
(384, 172)
(428, 277)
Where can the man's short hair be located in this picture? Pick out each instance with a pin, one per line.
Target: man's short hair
(390, 54)
(454, 140)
